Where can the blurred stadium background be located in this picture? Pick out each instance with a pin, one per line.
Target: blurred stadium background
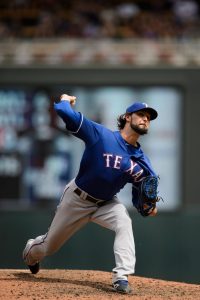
(109, 54)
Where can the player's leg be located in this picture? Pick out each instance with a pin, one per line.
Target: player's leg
(115, 216)
(72, 213)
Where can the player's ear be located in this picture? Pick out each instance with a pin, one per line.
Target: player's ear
(127, 117)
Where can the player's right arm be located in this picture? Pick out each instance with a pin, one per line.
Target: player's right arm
(64, 109)
(70, 99)
(75, 122)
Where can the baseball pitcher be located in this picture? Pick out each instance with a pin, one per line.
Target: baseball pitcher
(110, 160)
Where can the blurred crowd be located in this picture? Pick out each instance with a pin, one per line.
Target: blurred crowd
(116, 19)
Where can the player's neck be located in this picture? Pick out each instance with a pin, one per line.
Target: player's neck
(130, 137)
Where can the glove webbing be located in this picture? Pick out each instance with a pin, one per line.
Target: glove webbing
(148, 195)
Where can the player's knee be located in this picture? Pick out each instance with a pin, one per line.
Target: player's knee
(124, 224)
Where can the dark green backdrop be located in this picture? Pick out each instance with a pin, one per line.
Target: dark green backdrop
(167, 246)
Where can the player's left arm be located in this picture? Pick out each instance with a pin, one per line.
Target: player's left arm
(145, 209)
(145, 189)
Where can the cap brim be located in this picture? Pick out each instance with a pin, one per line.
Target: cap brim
(153, 113)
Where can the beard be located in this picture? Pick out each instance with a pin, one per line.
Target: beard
(138, 130)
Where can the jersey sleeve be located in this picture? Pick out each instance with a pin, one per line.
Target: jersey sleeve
(77, 124)
(88, 131)
(146, 164)
(71, 118)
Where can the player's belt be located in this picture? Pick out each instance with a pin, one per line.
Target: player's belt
(98, 202)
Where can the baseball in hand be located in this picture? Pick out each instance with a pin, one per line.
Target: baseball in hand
(71, 99)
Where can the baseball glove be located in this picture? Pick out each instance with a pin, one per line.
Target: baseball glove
(148, 195)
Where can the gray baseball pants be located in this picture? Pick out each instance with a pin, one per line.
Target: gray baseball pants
(74, 212)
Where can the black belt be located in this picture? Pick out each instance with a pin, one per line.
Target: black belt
(98, 202)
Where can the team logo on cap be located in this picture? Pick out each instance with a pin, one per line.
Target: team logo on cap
(145, 104)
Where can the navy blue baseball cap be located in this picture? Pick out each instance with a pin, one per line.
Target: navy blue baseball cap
(137, 106)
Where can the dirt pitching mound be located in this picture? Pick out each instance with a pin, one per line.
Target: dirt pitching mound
(73, 284)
